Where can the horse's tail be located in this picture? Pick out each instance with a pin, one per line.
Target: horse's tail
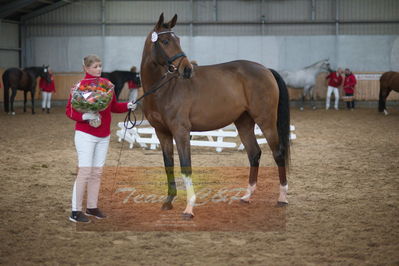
(6, 86)
(283, 118)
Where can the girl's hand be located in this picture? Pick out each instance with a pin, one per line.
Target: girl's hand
(90, 116)
(131, 106)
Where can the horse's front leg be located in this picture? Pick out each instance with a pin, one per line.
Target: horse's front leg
(182, 138)
(32, 93)
(311, 91)
(166, 141)
(303, 99)
(25, 93)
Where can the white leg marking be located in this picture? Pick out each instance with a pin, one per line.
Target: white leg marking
(283, 194)
(250, 191)
(386, 112)
(190, 195)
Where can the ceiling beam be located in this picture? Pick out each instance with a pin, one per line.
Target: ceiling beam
(46, 1)
(46, 9)
(12, 7)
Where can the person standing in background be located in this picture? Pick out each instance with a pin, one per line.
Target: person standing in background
(47, 88)
(349, 87)
(334, 81)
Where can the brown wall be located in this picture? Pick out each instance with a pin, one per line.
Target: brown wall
(367, 90)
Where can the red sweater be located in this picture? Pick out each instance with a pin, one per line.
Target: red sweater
(349, 83)
(334, 79)
(104, 130)
(45, 86)
(132, 84)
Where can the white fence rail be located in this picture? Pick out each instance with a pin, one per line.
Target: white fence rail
(145, 137)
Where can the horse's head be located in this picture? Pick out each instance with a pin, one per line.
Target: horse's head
(166, 50)
(325, 65)
(44, 73)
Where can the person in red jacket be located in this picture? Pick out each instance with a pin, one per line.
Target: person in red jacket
(133, 87)
(47, 89)
(349, 87)
(334, 81)
(91, 145)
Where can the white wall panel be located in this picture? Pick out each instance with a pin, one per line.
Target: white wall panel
(366, 53)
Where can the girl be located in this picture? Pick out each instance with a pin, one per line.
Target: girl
(47, 89)
(91, 143)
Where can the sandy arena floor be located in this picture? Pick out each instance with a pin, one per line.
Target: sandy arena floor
(343, 193)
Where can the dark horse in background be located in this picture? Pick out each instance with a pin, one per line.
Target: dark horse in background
(208, 98)
(16, 79)
(118, 78)
(389, 81)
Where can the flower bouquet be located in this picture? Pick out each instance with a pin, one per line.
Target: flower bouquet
(92, 97)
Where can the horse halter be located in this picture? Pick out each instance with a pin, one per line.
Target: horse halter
(169, 60)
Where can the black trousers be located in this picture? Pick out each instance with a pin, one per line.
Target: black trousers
(350, 104)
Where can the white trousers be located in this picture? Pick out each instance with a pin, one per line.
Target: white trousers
(133, 95)
(46, 99)
(92, 152)
(330, 90)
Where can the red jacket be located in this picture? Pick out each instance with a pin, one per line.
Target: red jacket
(45, 86)
(350, 83)
(132, 84)
(334, 79)
(104, 130)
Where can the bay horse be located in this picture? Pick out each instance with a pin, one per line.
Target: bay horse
(389, 81)
(305, 79)
(179, 99)
(22, 79)
(119, 77)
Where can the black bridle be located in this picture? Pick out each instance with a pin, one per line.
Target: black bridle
(169, 60)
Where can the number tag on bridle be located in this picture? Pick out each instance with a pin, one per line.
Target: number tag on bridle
(154, 36)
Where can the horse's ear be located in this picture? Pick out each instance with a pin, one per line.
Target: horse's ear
(160, 22)
(172, 23)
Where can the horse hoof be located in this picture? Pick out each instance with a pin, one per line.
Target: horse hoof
(314, 107)
(187, 216)
(12, 113)
(167, 206)
(281, 204)
(244, 201)
(301, 108)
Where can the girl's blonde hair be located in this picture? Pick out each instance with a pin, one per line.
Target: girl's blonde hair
(90, 59)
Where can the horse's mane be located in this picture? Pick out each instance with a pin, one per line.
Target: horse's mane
(314, 64)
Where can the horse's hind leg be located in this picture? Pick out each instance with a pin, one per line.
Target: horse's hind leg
(245, 126)
(166, 141)
(12, 98)
(269, 129)
(25, 93)
(32, 93)
(384, 93)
